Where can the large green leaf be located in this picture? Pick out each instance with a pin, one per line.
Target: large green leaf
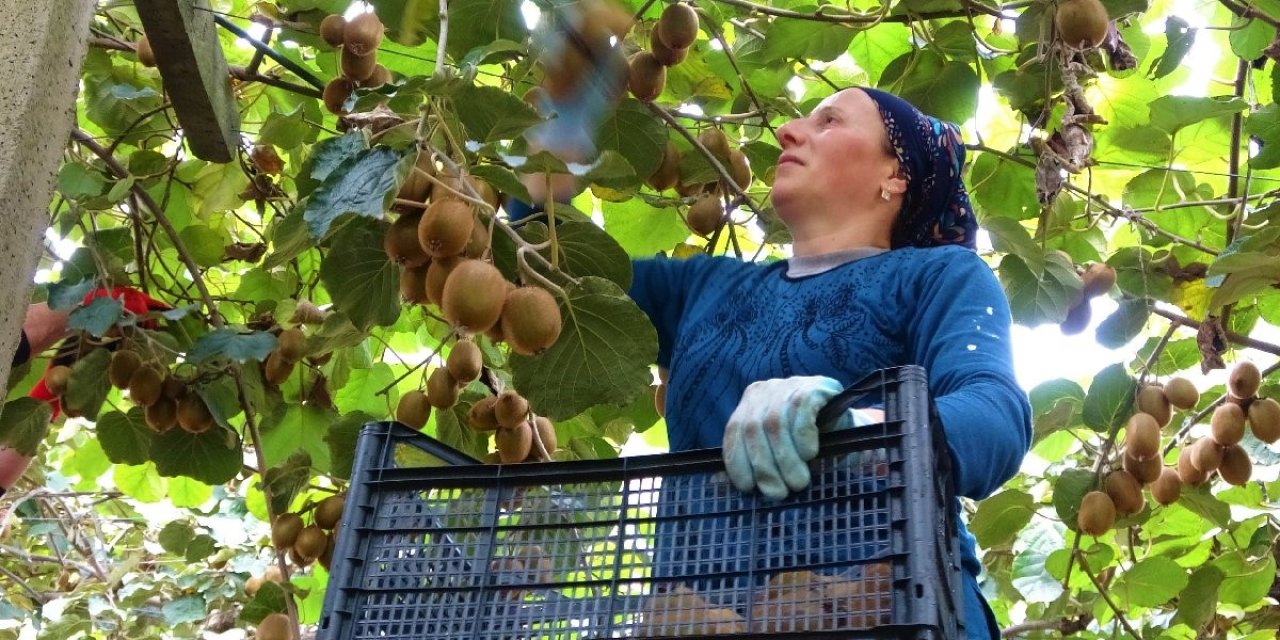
(286, 479)
(1001, 517)
(213, 457)
(1002, 188)
(1125, 324)
(360, 393)
(939, 87)
(1151, 582)
(363, 282)
(341, 439)
(1172, 113)
(232, 344)
(1199, 599)
(801, 39)
(1109, 402)
(88, 387)
(1265, 125)
(585, 250)
(491, 114)
(1246, 579)
(636, 134)
(1068, 490)
(1039, 295)
(24, 422)
(364, 184)
(125, 437)
(643, 230)
(602, 356)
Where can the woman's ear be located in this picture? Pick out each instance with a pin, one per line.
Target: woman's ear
(896, 183)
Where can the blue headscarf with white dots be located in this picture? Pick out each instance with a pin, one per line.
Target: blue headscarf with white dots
(935, 208)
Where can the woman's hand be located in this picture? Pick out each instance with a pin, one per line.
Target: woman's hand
(773, 433)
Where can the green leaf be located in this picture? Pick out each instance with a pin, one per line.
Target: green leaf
(77, 181)
(65, 295)
(175, 536)
(491, 114)
(502, 179)
(1265, 124)
(125, 437)
(205, 244)
(140, 481)
(874, 49)
(364, 185)
(1199, 599)
(602, 356)
(939, 87)
(1246, 580)
(188, 493)
(24, 423)
(360, 393)
(1151, 582)
(1249, 37)
(1068, 490)
(287, 479)
(1055, 405)
(1125, 324)
(1172, 113)
(232, 344)
(286, 130)
(1109, 402)
(96, 317)
(88, 387)
(1003, 189)
(1009, 236)
(327, 155)
(212, 457)
(585, 250)
(363, 283)
(341, 438)
(451, 428)
(1039, 295)
(299, 427)
(289, 238)
(636, 134)
(1200, 501)
(201, 547)
(1180, 36)
(641, 229)
(1001, 517)
(269, 599)
(802, 39)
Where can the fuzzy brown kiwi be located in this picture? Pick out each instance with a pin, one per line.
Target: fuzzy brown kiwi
(401, 242)
(331, 29)
(1236, 468)
(356, 68)
(292, 344)
(173, 388)
(1206, 455)
(362, 34)
(473, 296)
(1152, 401)
(437, 275)
(511, 409)
(1078, 317)
(1187, 471)
(380, 76)
(1082, 24)
(1097, 513)
(123, 365)
(1167, 488)
(146, 385)
(666, 55)
(1264, 419)
(715, 142)
(531, 320)
(193, 414)
(705, 216)
(276, 369)
(1125, 492)
(739, 168)
(1098, 280)
(146, 56)
(1244, 380)
(326, 558)
(413, 284)
(56, 378)
(445, 227)
(1145, 471)
(442, 389)
(335, 95)
(478, 245)
(284, 531)
(252, 585)
(161, 415)
(311, 542)
(1181, 393)
(414, 409)
(481, 416)
(417, 185)
(329, 511)
(647, 76)
(678, 26)
(465, 361)
(1227, 424)
(275, 626)
(667, 173)
(1142, 436)
(514, 444)
(546, 431)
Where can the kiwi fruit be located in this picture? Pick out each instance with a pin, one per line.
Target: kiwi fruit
(329, 512)
(1236, 468)
(161, 415)
(277, 369)
(647, 76)
(678, 26)
(1142, 436)
(1264, 419)
(437, 274)
(1097, 513)
(356, 68)
(401, 241)
(173, 388)
(362, 34)
(442, 389)
(445, 227)
(666, 55)
(511, 409)
(413, 284)
(146, 55)
(1125, 492)
(481, 415)
(465, 361)
(492, 458)
(193, 414)
(417, 185)
(311, 542)
(1078, 317)
(739, 168)
(414, 409)
(252, 585)
(380, 76)
(273, 573)
(284, 532)
(546, 431)
(1167, 488)
(514, 444)
(1081, 24)
(299, 559)
(146, 385)
(275, 626)
(1181, 393)
(331, 29)
(478, 245)
(326, 558)
(1098, 279)
(1244, 380)
(715, 142)
(1187, 471)
(473, 295)
(292, 344)
(1227, 424)
(705, 215)
(1206, 455)
(123, 365)
(1152, 401)
(335, 95)
(531, 320)
(660, 400)
(56, 378)
(667, 173)
(1145, 471)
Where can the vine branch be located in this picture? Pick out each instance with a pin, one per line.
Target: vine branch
(820, 16)
(1244, 341)
(1084, 564)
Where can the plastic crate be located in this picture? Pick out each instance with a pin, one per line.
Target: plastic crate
(435, 545)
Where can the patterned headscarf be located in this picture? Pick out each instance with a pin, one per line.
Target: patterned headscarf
(935, 208)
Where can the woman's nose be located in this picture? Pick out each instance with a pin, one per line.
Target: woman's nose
(788, 133)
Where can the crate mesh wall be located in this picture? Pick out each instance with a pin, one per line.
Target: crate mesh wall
(653, 546)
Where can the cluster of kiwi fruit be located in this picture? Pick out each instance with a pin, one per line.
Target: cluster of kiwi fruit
(669, 43)
(167, 401)
(593, 35)
(1220, 451)
(462, 367)
(359, 39)
(1081, 24)
(307, 543)
(1098, 279)
(707, 213)
(291, 345)
(519, 435)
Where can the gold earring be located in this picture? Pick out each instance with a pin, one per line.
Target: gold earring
(884, 194)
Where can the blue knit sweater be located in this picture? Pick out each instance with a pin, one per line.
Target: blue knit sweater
(723, 324)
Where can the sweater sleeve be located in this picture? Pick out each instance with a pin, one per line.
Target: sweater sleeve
(663, 288)
(961, 336)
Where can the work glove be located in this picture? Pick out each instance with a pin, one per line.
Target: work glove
(773, 433)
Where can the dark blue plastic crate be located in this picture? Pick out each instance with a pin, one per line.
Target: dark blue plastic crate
(435, 545)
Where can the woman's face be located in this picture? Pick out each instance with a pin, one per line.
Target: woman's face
(835, 160)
